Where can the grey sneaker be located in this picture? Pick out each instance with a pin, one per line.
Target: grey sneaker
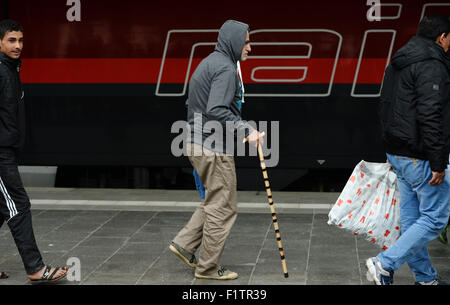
(377, 274)
(436, 282)
(185, 256)
(221, 274)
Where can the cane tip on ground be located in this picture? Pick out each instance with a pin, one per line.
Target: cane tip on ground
(286, 275)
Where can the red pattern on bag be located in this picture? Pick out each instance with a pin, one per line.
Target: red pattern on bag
(355, 207)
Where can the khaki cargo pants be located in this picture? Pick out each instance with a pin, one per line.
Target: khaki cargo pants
(211, 223)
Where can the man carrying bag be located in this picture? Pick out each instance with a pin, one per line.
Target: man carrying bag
(414, 111)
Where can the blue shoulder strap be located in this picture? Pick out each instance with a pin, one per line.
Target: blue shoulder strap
(199, 185)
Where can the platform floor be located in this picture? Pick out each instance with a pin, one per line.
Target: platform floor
(122, 237)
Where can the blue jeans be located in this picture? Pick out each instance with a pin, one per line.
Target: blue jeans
(424, 211)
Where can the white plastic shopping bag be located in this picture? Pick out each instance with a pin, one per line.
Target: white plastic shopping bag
(369, 204)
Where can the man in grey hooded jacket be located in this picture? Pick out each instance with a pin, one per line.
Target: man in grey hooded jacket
(214, 104)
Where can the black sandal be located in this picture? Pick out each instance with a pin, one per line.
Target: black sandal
(3, 275)
(47, 277)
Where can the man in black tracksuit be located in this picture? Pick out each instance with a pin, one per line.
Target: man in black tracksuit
(14, 201)
(414, 111)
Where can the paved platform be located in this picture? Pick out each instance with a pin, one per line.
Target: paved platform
(122, 237)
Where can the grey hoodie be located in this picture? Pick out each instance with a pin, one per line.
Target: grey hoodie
(214, 90)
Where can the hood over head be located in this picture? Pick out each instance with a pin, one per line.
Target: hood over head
(419, 49)
(231, 39)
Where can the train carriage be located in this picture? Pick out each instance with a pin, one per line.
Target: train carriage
(105, 80)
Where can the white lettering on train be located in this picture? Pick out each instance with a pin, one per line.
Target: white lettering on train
(292, 37)
(74, 12)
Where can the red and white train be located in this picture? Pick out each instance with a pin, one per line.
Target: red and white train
(105, 80)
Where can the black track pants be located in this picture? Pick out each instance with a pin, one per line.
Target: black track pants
(15, 211)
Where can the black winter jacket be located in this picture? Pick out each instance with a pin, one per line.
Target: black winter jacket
(12, 110)
(414, 105)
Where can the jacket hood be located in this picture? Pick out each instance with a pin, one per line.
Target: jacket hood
(231, 39)
(419, 49)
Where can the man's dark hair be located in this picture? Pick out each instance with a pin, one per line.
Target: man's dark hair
(8, 25)
(433, 26)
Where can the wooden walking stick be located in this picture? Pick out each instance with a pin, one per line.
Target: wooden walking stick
(272, 208)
